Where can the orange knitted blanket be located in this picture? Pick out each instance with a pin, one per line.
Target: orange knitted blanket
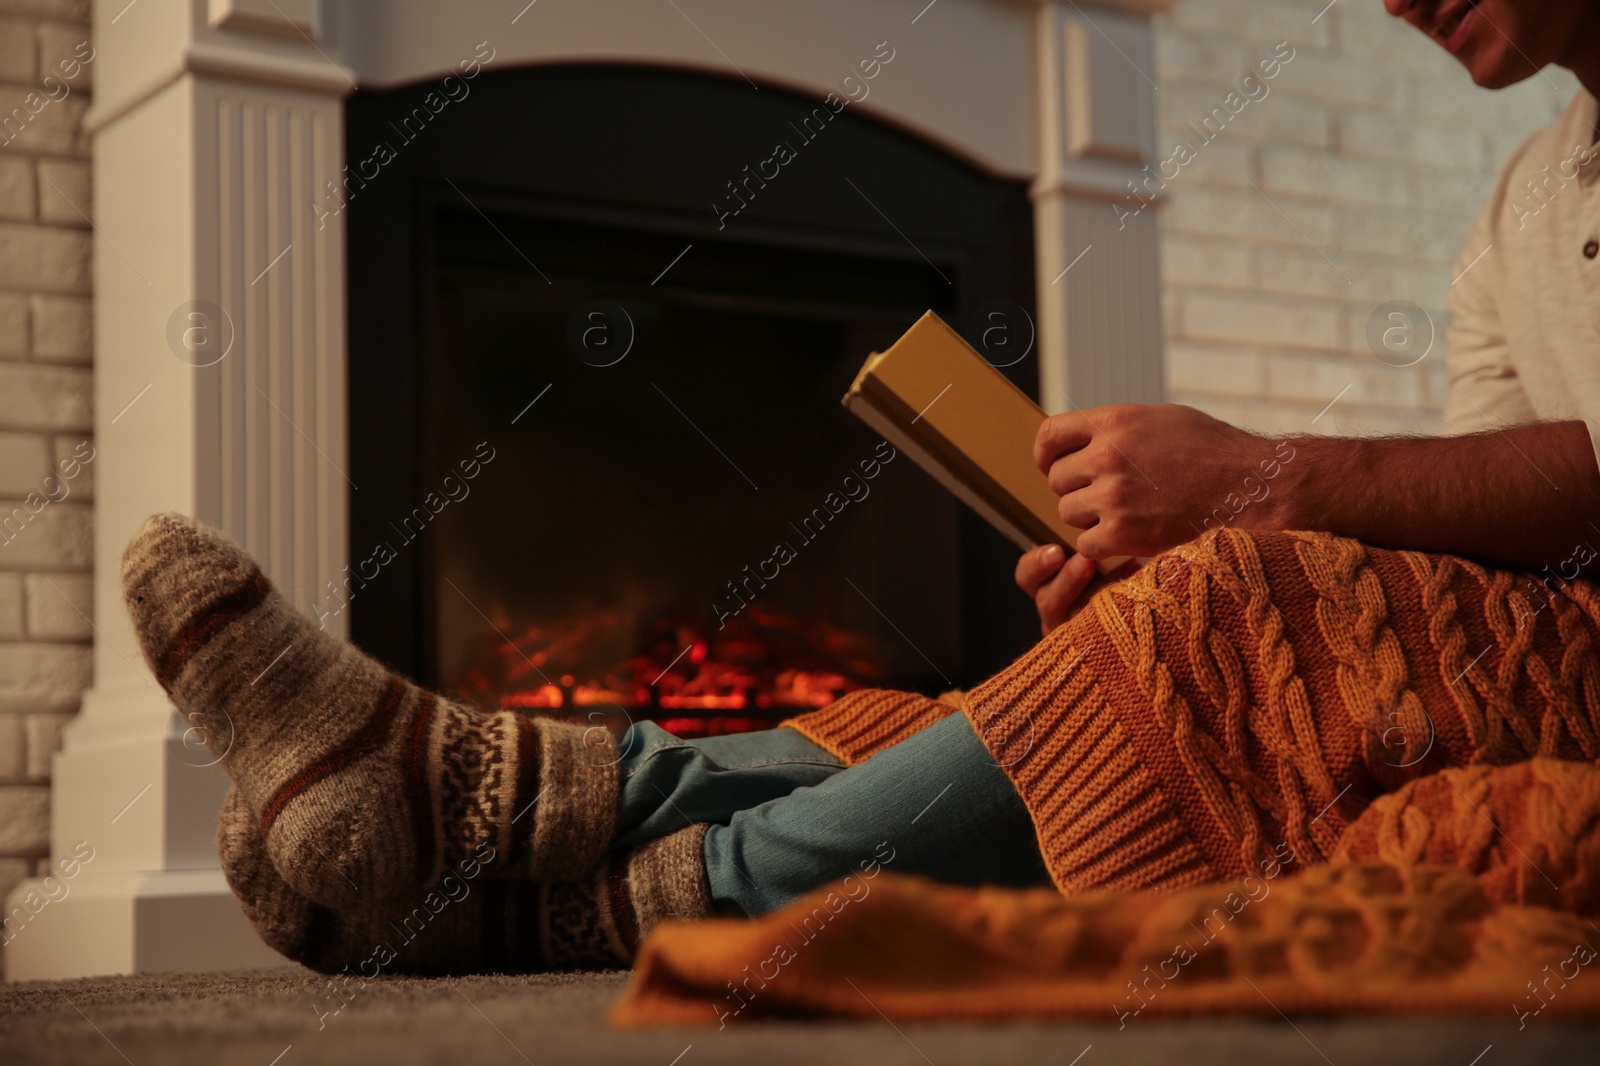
(1365, 932)
(1247, 695)
(1371, 772)
(1369, 938)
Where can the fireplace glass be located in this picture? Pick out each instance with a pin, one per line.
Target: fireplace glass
(601, 424)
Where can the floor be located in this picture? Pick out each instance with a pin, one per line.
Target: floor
(275, 1018)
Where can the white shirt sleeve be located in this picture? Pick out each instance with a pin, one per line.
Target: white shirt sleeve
(1485, 391)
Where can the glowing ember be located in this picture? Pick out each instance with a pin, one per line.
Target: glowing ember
(762, 667)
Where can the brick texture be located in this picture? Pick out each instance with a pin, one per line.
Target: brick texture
(64, 196)
(1350, 184)
(61, 328)
(42, 737)
(24, 461)
(45, 409)
(13, 324)
(12, 871)
(24, 819)
(59, 606)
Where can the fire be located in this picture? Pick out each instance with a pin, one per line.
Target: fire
(761, 668)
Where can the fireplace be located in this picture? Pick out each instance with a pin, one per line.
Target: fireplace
(222, 150)
(595, 416)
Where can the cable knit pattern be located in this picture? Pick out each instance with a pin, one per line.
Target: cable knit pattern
(1530, 832)
(1342, 938)
(1245, 695)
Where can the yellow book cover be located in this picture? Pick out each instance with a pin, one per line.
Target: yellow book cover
(935, 398)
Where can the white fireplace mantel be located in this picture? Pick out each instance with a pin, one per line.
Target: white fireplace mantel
(218, 123)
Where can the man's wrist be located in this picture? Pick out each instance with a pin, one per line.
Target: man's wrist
(1287, 505)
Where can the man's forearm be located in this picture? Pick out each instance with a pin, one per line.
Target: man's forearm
(1526, 496)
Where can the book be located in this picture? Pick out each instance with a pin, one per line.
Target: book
(935, 398)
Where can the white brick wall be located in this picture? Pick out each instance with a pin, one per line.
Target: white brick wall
(1373, 149)
(45, 415)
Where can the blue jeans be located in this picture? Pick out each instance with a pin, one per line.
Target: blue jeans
(786, 817)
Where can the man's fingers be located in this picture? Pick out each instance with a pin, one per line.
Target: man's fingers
(1059, 435)
(1101, 543)
(1077, 510)
(1038, 566)
(1057, 597)
(1069, 474)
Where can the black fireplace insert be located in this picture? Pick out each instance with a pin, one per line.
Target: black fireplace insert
(595, 419)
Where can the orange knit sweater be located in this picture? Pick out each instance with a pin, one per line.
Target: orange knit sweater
(1240, 700)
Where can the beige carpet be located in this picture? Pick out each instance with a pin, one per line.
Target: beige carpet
(267, 1017)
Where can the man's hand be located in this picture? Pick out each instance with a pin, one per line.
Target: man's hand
(1060, 588)
(1055, 582)
(1139, 479)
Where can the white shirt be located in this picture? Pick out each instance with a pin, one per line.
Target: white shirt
(1524, 335)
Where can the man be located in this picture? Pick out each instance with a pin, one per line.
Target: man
(1231, 708)
(1520, 488)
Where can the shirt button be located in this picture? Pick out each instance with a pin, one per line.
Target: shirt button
(1591, 249)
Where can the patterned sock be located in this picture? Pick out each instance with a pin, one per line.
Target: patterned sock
(471, 922)
(365, 787)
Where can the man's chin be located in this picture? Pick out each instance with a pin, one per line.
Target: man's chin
(1501, 77)
(1499, 70)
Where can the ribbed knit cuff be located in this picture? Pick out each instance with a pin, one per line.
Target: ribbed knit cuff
(667, 879)
(861, 724)
(577, 805)
(1102, 819)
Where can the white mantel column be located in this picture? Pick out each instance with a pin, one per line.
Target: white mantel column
(1095, 226)
(219, 392)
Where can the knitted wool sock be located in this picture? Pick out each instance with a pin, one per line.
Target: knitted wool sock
(365, 786)
(1227, 710)
(471, 922)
